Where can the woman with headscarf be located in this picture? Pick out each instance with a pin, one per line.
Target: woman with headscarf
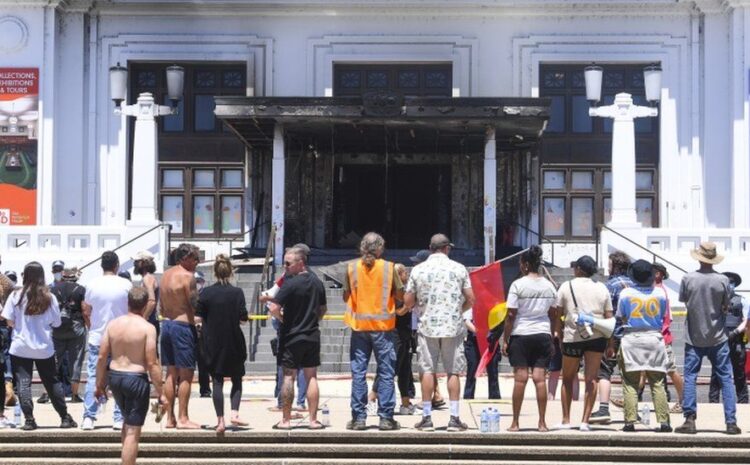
(222, 309)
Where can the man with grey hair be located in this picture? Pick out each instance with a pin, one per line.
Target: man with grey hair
(441, 287)
(370, 292)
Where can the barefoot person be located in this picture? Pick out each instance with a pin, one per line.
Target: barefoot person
(130, 342)
(528, 338)
(179, 300)
(222, 309)
(299, 306)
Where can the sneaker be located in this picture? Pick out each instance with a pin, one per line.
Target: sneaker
(356, 425)
(584, 427)
(425, 424)
(117, 426)
(302, 408)
(372, 408)
(68, 422)
(43, 399)
(205, 394)
(388, 424)
(436, 404)
(30, 425)
(628, 428)
(664, 428)
(5, 423)
(600, 417)
(455, 424)
(617, 402)
(75, 399)
(676, 408)
(688, 427)
(407, 409)
(88, 424)
(732, 428)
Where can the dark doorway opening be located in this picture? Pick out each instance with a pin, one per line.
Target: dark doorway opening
(404, 203)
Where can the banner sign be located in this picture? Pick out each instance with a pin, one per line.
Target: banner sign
(19, 117)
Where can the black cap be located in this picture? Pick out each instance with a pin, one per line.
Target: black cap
(641, 272)
(734, 278)
(586, 264)
(125, 274)
(420, 256)
(660, 267)
(11, 275)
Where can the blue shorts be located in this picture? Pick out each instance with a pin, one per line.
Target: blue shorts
(178, 344)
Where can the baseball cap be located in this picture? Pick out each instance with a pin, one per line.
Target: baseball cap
(12, 276)
(420, 256)
(438, 241)
(641, 272)
(58, 264)
(143, 255)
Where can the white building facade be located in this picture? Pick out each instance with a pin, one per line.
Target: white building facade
(693, 161)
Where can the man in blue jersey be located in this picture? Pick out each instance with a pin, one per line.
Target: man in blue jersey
(641, 310)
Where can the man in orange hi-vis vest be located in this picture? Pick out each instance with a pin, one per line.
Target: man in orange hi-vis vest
(370, 292)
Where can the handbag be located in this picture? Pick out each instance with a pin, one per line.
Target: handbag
(275, 346)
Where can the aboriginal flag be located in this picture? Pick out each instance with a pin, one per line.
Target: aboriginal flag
(489, 306)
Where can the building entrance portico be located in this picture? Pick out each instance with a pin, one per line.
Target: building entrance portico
(405, 167)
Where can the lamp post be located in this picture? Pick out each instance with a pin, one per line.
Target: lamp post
(143, 209)
(623, 112)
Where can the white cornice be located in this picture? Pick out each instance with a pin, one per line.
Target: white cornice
(394, 7)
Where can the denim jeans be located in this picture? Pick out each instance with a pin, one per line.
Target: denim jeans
(90, 404)
(23, 369)
(364, 344)
(718, 355)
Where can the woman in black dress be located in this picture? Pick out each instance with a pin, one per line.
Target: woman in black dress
(222, 309)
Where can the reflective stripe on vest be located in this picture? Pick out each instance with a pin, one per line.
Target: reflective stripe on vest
(378, 314)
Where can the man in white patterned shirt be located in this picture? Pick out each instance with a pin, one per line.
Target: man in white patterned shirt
(442, 289)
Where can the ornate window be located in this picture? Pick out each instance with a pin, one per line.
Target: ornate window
(575, 178)
(201, 165)
(417, 80)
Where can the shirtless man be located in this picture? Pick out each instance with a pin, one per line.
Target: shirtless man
(131, 343)
(179, 299)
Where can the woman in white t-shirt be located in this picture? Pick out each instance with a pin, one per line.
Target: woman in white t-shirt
(528, 332)
(33, 312)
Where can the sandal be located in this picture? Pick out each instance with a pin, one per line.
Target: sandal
(315, 425)
(283, 428)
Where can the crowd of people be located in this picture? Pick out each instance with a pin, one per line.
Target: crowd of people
(621, 324)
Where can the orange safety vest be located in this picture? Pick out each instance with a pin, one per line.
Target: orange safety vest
(371, 306)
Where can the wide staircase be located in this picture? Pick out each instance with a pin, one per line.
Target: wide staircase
(401, 447)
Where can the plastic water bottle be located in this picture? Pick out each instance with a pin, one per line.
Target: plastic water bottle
(645, 415)
(496, 421)
(325, 416)
(484, 422)
(17, 414)
(102, 405)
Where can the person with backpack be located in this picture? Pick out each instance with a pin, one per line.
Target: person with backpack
(70, 337)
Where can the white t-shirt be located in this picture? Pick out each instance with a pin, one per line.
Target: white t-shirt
(32, 334)
(532, 297)
(108, 297)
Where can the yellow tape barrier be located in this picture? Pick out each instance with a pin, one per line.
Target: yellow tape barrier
(341, 317)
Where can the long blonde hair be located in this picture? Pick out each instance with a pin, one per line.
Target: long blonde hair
(223, 269)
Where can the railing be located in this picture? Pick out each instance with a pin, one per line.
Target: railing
(541, 237)
(653, 254)
(158, 226)
(256, 316)
(242, 235)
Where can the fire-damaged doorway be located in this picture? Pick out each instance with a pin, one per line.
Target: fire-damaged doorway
(405, 203)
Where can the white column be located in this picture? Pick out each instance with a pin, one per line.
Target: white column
(143, 209)
(740, 162)
(278, 175)
(490, 194)
(45, 205)
(623, 112)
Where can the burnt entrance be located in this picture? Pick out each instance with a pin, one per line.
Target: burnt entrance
(406, 203)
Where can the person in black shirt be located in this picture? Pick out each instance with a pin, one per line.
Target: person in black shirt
(70, 337)
(299, 305)
(222, 309)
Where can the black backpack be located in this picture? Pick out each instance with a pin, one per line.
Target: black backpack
(70, 309)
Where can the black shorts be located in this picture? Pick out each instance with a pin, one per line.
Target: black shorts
(608, 365)
(577, 349)
(131, 392)
(534, 351)
(179, 342)
(302, 354)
